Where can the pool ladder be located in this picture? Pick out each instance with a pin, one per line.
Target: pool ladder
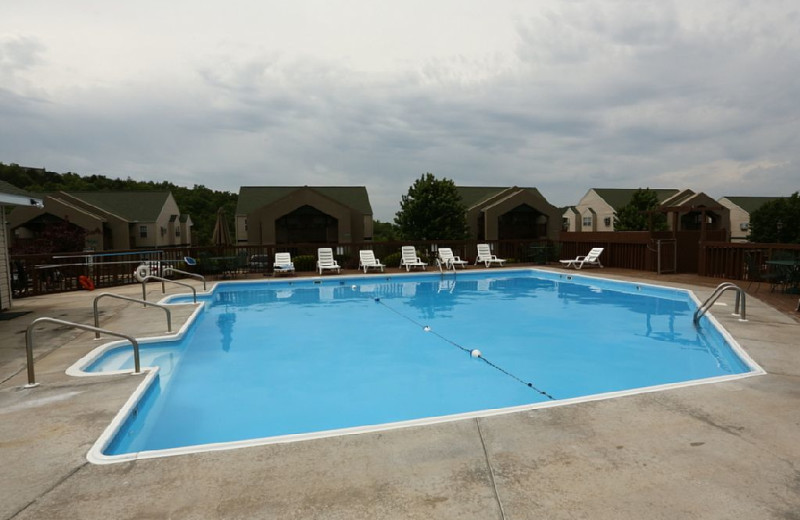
(721, 288)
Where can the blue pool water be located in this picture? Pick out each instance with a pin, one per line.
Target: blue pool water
(272, 359)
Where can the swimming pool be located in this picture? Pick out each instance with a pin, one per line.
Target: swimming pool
(288, 360)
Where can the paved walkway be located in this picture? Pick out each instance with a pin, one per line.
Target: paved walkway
(726, 450)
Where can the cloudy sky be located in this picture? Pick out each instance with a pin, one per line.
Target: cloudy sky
(561, 95)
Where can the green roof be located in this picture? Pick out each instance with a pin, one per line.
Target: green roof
(617, 198)
(10, 189)
(134, 206)
(254, 197)
(472, 195)
(751, 204)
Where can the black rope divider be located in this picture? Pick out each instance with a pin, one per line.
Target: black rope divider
(475, 353)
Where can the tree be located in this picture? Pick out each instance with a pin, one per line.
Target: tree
(384, 231)
(199, 202)
(641, 213)
(777, 221)
(432, 210)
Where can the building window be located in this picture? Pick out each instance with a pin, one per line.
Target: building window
(607, 221)
(744, 226)
(177, 232)
(142, 231)
(587, 221)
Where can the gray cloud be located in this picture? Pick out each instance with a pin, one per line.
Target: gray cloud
(590, 94)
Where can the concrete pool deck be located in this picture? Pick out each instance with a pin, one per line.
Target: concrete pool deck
(724, 450)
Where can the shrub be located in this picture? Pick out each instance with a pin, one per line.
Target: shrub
(392, 260)
(305, 263)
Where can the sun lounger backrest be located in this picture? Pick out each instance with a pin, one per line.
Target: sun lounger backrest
(409, 254)
(283, 258)
(325, 256)
(367, 257)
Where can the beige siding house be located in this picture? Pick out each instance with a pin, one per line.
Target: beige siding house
(112, 219)
(9, 196)
(596, 210)
(509, 213)
(270, 215)
(685, 210)
(740, 210)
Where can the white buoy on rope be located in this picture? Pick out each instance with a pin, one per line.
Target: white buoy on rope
(475, 353)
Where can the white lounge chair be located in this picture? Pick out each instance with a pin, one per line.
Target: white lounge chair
(283, 264)
(593, 258)
(448, 260)
(368, 260)
(409, 258)
(325, 260)
(485, 255)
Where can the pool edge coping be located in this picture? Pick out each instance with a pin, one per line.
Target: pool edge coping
(96, 456)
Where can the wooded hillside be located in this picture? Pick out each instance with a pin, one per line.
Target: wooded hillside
(199, 202)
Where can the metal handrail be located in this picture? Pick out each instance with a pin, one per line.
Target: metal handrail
(168, 270)
(163, 290)
(121, 297)
(29, 343)
(741, 298)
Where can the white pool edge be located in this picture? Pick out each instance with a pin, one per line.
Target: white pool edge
(96, 456)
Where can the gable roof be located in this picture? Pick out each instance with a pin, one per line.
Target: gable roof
(751, 204)
(472, 196)
(10, 194)
(134, 206)
(619, 197)
(254, 197)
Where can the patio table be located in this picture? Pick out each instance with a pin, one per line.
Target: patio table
(791, 271)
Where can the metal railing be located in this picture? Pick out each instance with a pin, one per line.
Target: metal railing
(741, 298)
(168, 270)
(163, 289)
(128, 298)
(29, 343)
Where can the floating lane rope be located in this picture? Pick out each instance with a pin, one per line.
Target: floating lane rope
(474, 353)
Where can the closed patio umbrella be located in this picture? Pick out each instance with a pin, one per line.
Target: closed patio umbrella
(221, 235)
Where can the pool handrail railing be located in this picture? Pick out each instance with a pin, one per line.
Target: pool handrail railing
(128, 298)
(29, 343)
(168, 270)
(721, 288)
(147, 278)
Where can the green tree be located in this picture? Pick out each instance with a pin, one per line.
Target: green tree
(432, 210)
(777, 221)
(384, 231)
(641, 213)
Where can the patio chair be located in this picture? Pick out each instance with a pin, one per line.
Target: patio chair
(409, 258)
(485, 255)
(593, 258)
(283, 264)
(258, 263)
(325, 260)
(368, 260)
(448, 260)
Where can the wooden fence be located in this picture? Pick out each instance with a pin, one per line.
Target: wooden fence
(742, 261)
(43, 274)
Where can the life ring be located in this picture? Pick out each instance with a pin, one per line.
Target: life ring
(86, 282)
(141, 272)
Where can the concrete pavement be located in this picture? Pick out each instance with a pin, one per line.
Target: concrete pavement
(725, 450)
